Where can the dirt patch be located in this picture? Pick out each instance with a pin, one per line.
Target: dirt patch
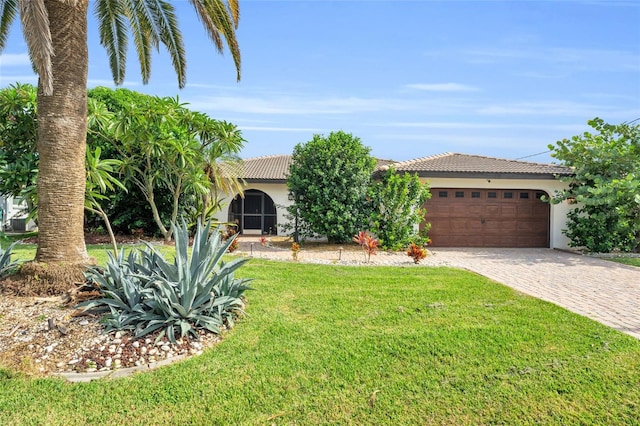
(43, 279)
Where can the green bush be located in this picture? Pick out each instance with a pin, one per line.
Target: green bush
(143, 292)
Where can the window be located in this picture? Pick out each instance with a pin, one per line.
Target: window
(443, 194)
(459, 194)
(539, 195)
(507, 195)
(475, 194)
(524, 195)
(492, 194)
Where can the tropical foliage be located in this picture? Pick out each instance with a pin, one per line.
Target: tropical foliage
(143, 292)
(605, 186)
(398, 200)
(367, 242)
(329, 177)
(56, 35)
(7, 266)
(169, 169)
(18, 155)
(170, 155)
(336, 194)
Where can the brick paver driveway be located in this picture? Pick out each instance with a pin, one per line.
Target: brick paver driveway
(605, 291)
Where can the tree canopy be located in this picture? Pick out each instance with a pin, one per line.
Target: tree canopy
(329, 180)
(164, 154)
(605, 186)
(56, 35)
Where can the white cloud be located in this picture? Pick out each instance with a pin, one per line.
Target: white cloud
(280, 129)
(441, 87)
(475, 126)
(11, 79)
(546, 108)
(294, 105)
(14, 59)
(577, 59)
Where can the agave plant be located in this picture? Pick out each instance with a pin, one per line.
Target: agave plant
(6, 265)
(144, 292)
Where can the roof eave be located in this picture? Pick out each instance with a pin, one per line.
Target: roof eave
(489, 175)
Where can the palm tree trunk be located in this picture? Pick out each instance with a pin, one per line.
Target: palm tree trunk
(62, 134)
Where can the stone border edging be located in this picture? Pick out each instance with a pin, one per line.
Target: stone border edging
(79, 377)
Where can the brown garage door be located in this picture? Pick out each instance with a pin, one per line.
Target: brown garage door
(487, 218)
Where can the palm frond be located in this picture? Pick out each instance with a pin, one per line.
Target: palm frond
(166, 22)
(145, 35)
(220, 19)
(113, 35)
(35, 26)
(8, 10)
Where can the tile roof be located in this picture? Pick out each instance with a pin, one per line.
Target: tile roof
(464, 164)
(274, 168)
(267, 168)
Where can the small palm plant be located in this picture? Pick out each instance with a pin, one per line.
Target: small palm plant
(145, 293)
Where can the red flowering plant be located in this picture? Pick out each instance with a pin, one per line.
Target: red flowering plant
(368, 242)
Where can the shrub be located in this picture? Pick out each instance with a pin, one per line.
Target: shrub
(329, 181)
(398, 208)
(230, 234)
(295, 249)
(416, 252)
(368, 242)
(143, 292)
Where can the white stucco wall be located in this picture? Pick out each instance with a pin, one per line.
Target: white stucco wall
(558, 212)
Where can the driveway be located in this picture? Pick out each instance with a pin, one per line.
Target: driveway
(602, 290)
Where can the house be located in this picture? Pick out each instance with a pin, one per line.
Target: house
(13, 215)
(476, 201)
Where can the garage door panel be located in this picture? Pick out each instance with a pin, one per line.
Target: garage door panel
(508, 210)
(475, 210)
(459, 210)
(480, 221)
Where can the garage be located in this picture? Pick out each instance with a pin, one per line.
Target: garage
(476, 217)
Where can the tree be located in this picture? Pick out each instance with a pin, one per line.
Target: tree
(100, 179)
(169, 153)
(56, 36)
(605, 186)
(398, 200)
(18, 156)
(329, 180)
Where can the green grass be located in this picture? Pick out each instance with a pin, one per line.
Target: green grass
(434, 345)
(633, 261)
(24, 252)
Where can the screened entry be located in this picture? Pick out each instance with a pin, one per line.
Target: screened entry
(255, 214)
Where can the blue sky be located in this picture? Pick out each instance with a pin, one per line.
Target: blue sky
(409, 78)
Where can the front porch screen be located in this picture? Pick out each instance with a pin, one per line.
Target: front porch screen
(254, 214)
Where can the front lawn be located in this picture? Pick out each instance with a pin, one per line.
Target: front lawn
(366, 346)
(633, 261)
